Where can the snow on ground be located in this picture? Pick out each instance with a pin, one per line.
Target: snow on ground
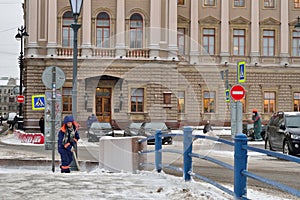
(41, 183)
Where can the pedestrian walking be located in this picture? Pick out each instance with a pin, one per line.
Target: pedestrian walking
(42, 124)
(207, 127)
(257, 125)
(68, 136)
(90, 120)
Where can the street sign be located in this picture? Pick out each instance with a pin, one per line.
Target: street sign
(59, 77)
(20, 99)
(38, 102)
(237, 92)
(227, 96)
(241, 72)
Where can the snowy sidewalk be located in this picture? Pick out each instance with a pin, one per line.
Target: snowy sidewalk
(39, 182)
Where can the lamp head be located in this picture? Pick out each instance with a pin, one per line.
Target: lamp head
(76, 8)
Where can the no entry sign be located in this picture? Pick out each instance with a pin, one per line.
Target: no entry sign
(237, 92)
(20, 99)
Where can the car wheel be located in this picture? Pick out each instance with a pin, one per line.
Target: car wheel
(90, 140)
(286, 149)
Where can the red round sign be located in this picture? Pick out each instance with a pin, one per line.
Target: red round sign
(237, 92)
(20, 99)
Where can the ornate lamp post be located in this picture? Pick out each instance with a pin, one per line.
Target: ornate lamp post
(76, 8)
(21, 33)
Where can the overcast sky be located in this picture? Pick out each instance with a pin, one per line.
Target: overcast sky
(10, 20)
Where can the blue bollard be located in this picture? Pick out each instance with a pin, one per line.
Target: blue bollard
(187, 149)
(158, 153)
(240, 164)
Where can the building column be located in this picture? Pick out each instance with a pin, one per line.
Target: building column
(120, 29)
(284, 33)
(224, 53)
(194, 40)
(172, 30)
(86, 32)
(155, 28)
(52, 28)
(32, 27)
(254, 52)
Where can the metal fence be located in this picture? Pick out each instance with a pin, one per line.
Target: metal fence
(241, 173)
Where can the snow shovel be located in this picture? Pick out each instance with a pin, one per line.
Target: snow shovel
(76, 161)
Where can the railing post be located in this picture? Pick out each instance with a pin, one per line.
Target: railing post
(158, 146)
(187, 149)
(240, 164)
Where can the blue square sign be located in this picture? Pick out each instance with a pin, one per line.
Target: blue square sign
(38, 102)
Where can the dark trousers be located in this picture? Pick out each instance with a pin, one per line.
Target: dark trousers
(66, 159)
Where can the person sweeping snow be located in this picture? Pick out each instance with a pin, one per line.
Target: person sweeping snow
(67, 139)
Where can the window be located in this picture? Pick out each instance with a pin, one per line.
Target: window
(268, 43)
(136, 31)
(209, 2)
(103, 30)
(181, 41)
(167, 97)
(239, 3)
(209, 102)
(67, 32)
(239, 42)
(209, 41)
(297, 101)
(181, 102)
(296, 43)
(243, 101)
(180, 2)
(297, 3)
(269, 4)
(137, 100)
(67, 99)
(269, 102)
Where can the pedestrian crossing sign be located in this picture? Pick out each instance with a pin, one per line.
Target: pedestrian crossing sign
(38, 102)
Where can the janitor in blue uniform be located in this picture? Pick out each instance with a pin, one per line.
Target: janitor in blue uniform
(67, 139)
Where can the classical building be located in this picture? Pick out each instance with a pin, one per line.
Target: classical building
(161, 59)
(8, 96)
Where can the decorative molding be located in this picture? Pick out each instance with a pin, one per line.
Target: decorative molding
(269, 21)
(240, 20)
(183, 20)
(209, 20)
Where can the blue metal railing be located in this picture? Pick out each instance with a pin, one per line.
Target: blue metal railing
(240, 161)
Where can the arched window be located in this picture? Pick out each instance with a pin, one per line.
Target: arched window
(103, 30)
(67, 32)
(136, 31)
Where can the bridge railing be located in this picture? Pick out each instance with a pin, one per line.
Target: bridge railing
(239, 168)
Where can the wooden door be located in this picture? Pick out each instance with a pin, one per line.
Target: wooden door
(103, 104)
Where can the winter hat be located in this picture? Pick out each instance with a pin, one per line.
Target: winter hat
(254, 110)
(68, 119)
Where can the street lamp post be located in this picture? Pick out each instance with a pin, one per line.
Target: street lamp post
(21, 33)
(76, 8)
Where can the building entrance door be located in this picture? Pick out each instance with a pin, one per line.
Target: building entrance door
(103, 104)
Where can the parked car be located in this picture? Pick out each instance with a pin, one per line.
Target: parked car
(149, 129)
(283, 133)
(248, 129)
(98, 130)
(133, 129)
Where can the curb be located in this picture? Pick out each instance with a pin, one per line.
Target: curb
(84, 165)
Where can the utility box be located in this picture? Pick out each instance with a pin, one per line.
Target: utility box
(120, 154)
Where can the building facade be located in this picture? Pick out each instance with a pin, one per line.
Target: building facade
(8, 96)
(161, 59)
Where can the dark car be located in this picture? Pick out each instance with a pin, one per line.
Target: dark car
(133, 129)
(248, 129)
(149, 129)
(283, 133)
(99, 129)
